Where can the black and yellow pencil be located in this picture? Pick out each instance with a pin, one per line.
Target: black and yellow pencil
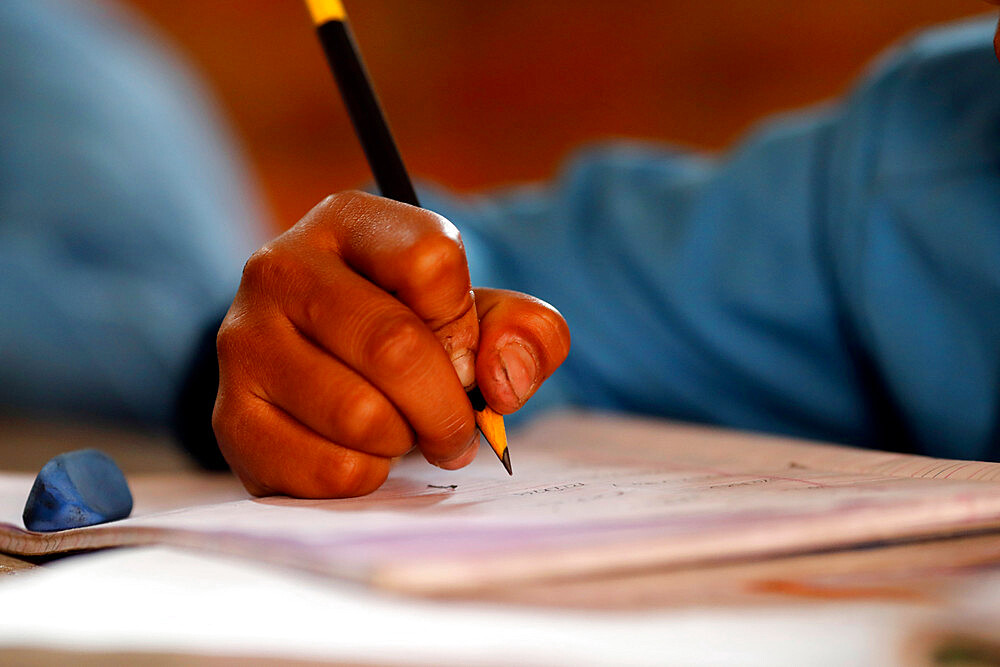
(383, 157)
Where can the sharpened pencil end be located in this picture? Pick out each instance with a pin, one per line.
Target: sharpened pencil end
(490, 423)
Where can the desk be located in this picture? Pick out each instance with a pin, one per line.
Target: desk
(805, 594)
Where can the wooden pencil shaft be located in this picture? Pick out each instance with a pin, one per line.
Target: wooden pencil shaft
(365, 112)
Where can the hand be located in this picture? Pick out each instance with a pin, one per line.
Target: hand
(353, 339)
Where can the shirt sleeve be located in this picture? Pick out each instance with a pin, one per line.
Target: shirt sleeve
(125, 217)
(836, 276)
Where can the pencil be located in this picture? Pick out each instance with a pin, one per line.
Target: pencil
(383, 157)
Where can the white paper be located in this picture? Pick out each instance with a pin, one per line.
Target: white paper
(590, 495)
(161, 600)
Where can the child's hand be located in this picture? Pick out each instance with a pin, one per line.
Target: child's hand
(352, 339)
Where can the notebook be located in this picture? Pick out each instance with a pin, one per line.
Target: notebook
(591, 495)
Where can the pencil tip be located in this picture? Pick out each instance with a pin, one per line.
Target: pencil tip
(490, 423)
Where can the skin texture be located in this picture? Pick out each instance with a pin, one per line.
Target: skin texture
(352, 340)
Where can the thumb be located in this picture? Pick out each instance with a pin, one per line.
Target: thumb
(522, 340)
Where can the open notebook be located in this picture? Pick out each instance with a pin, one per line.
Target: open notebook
(591, 494)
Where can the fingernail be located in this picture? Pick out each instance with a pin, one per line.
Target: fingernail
(465, 365)
(520, 367)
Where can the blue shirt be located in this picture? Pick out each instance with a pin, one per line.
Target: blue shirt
(124, 216)
(835, 276)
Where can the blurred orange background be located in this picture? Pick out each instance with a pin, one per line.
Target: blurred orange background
(481, 94)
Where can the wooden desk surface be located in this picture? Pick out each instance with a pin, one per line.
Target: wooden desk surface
(27, 444)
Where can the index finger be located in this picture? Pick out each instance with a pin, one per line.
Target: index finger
(415, 255)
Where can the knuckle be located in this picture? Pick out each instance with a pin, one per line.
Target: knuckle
(220, 420)
(433, 258)
(230, 422)
(266, 267)
(227, 341)
(238, 345)
(253, 268)
(350, 475)
(362, 418)
(336, 203)
(341, 210)
(395, 346)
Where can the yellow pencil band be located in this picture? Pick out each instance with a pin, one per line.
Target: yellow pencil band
(326, 10)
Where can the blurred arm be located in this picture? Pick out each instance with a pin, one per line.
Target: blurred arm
(835, 276)
(124, 218)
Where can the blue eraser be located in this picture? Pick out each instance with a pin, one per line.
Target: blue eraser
(76, 489)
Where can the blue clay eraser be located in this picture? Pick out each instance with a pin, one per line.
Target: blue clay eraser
(76, 489)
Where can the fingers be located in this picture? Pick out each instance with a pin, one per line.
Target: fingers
(373, 334)
(272, 453)
(354, 336)
(325, 395)
(523, 340)
(415, 255)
